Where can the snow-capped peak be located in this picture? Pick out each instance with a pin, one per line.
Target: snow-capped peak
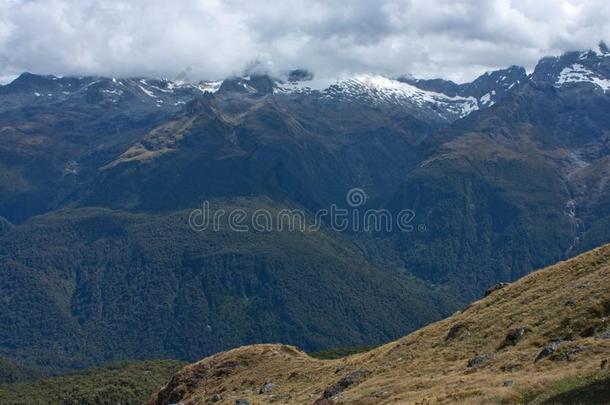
(382, 90)
(575, 68)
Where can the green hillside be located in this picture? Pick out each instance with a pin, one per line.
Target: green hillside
(89, 286)
(126, 384)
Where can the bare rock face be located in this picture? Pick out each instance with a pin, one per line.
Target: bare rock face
(478, 361)
(495, 287)
(345, 382)
(547, 351)
(266, 388)
(454, 332)
(514, 336)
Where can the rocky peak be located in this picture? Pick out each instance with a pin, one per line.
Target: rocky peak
(28, 81)
(491, 87)
(487, 89)
(571, 69)
(299, 75)
(254, 84)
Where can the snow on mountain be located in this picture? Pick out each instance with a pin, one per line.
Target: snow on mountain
(292, 87)
(486, 99)
(441, 98)
(577, 73)
(573, 69)
(443, 102)
(173, 95)
(487, 89)
(378, 89)
(209, 86)
(159, 93)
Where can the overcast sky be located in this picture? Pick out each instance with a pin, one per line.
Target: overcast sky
(333, 38)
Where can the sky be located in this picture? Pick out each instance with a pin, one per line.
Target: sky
(213, 39)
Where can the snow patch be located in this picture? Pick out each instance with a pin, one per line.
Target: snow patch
(147, 92)
(210, 87)
(486, 98)
(7, 79)
(116, 92)
(578, 73)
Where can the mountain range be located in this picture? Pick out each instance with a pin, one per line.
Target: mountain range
(98, 176)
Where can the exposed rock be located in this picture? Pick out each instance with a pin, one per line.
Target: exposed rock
(225, 368)
(603, 335)
(266, 388)
(511, 367)
(570, 303)
(454, 331)
(495, 287)
(508, 383)
(283, 396)
(604, 364)
(379, 394)
(547, 351)
(567, 353)
(216, 398)
(177, 388)
(479, 360)
(242, 402)
(347, 381)
(514, 336)
(299, 75)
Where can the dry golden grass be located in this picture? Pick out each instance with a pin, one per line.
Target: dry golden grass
(569, 301)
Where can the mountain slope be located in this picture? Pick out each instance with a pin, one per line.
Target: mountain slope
(524, 183)
(89, 286)
(127, 384)
(512, 346)
(486, 90)
(13, 373)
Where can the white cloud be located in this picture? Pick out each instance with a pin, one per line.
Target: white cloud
(216, 38)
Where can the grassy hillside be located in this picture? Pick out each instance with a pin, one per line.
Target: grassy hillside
(124, 384)
(543, 338)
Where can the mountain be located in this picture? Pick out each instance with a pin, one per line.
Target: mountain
(574, 69)
(88, 286)
(524, 181)
(59, 132)
(99, 177)
(541, 339)
(486, 90)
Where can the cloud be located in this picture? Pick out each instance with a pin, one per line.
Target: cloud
(218, 38)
